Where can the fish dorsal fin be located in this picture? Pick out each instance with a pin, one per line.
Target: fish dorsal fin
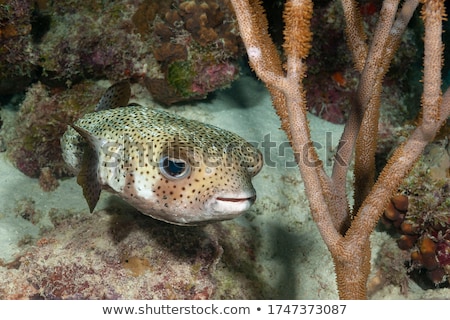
(88, 176)
(115, 96)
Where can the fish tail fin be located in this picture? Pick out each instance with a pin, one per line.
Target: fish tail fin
(88, 176)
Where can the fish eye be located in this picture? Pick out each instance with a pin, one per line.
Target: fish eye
(173, 168)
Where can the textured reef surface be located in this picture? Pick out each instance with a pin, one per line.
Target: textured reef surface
(129, 256)
(181, 50)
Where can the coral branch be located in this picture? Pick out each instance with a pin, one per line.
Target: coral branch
(347, 238)
(370, 85)
(432, 13)
(356, 38)
(297, 32)
(288, 95)
(369, 94)
(263, 59)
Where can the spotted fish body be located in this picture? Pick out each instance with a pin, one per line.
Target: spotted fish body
(173, 169)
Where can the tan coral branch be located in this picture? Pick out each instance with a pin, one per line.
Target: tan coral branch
(350, 248)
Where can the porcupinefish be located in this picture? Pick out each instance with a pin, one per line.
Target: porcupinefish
(173, 169)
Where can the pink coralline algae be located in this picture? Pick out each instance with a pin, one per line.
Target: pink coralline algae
(129, 256)
(213, 76)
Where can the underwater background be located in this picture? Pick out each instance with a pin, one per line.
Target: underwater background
(56, 60)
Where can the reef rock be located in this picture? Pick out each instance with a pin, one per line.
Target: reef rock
(123, 255)
(181, 50)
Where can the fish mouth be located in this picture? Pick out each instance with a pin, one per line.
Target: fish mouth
(233, 205)
(249, 199)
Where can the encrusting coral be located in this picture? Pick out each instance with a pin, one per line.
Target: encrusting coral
(347, 232)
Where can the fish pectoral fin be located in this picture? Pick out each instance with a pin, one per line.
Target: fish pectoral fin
(88, 176)
(88, 179)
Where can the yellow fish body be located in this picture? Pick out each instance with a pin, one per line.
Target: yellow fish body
(173, 169)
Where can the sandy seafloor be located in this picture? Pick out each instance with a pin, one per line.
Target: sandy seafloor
(291, 254)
